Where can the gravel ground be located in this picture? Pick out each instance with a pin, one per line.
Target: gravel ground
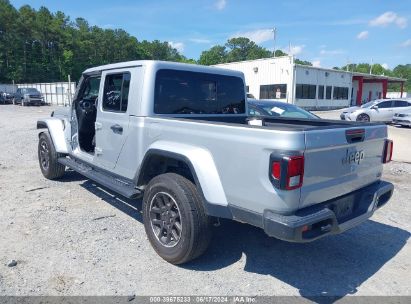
(73, 238)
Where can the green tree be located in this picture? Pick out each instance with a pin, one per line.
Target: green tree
(241, 48)
(217, 54)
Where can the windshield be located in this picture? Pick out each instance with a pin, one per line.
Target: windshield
(369, 104)
(30, 91)
(283, 110)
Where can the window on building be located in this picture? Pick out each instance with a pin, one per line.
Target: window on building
(184, 92)
(273, 91)
(116, 88)
(340, 93)
(305, 91)
(328, 92)
(320, 92)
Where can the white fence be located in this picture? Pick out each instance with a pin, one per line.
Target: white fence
(55, 93)
(8, 88)
(398, 94)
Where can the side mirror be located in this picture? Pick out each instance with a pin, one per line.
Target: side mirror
(374, 107)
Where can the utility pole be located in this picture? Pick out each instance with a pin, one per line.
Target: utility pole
(69, 90)
(372, 63)
(274, 30)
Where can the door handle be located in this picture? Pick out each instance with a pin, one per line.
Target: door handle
(117, 129)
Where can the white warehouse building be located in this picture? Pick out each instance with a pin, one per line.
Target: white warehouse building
(310, 87)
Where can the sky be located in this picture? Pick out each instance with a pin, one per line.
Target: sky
(326, 32)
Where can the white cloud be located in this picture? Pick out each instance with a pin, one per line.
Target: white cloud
(331, 52)
(406, 43)
(385, 66)
(362, 35)
(388, 18)
(295, 49)
(220, 4)
(200, 40)
(179, 46)
(258, 36)
(401, 22)
(316, 63)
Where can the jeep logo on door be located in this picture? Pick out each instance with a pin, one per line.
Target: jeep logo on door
(353, 157)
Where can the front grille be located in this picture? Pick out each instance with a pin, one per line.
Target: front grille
(35, 96)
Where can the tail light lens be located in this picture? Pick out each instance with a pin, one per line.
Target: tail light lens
(287, 173)
(295, 172)
(387, 153)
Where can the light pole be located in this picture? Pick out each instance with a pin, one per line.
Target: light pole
(274, 30)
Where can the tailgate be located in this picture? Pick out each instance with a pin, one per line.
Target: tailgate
(334, 166)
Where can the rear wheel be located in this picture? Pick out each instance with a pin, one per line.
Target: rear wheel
(48, 158)
(174, 218)
(363, 117)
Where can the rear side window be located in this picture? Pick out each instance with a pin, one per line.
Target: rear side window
(184, 92)
(401, 103)
(116, 89)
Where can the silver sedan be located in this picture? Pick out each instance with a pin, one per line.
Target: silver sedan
(377, 110)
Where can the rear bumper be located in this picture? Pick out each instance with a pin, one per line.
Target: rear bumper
(330, 217)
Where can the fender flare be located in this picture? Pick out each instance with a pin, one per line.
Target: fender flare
(56, 129)
(203, 169)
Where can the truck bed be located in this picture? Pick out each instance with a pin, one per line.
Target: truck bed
(281, 123)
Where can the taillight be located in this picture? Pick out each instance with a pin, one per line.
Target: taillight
(387, 153)
(287, 172)
(295, 172)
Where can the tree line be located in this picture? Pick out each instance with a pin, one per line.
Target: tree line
(41, 46)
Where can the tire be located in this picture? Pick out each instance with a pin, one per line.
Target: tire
(48, 157)
(173, 200)
(363, 117)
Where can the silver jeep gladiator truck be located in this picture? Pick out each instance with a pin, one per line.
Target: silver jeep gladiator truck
(178, 136)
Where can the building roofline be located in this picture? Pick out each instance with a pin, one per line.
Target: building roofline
(251, 60)
(365, 75)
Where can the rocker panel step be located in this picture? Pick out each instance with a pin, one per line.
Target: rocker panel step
(111, 182)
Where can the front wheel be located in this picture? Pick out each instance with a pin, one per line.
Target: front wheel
(48, 158)
(174, 218)
(363, 118)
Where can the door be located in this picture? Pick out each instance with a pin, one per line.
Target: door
(401, 106)
(384, 112)
(112, 121)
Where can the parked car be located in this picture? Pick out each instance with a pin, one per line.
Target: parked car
(162, 131)
(2, 98)
(8, 97)
(28, 96)
(402, 118)
(377, 110)
(272, 108)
